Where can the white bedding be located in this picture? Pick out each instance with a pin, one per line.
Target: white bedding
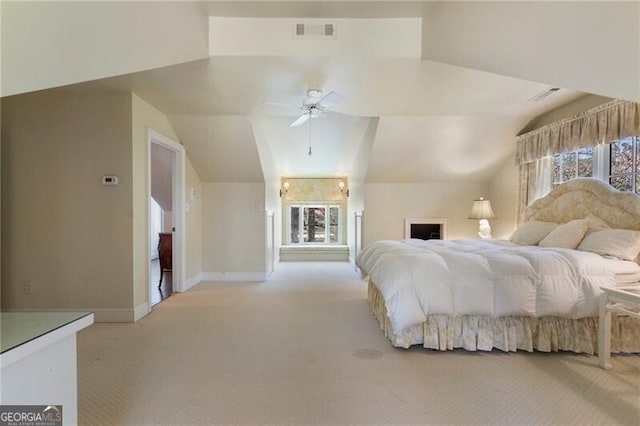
(489, 278)
(626, 272)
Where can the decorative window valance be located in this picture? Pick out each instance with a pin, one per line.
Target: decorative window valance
(603, 124)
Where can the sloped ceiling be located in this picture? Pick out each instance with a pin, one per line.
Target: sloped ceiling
(334, 141)
(437, 121)
(452, 115)
(441, 148)
(221, 148)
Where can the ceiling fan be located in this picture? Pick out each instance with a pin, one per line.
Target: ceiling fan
(315, 105)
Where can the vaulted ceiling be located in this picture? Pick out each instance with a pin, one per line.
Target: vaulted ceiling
(450, 115)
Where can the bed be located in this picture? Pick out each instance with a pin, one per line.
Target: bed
(537, 291)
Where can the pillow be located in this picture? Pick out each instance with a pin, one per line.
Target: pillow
(530, 233)
(595, 224)
(620, 243)
(568, 235)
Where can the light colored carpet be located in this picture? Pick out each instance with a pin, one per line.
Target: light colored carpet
(303, 348)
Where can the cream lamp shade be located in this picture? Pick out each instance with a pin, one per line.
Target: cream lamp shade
(481, 210)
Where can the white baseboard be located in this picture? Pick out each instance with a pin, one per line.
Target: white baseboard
(194, 280)
(141, 311)
(234, 276)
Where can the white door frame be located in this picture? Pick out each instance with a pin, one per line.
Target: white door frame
(270, 242)
(178, 206)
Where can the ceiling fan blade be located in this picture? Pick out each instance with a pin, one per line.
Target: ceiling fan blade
(330, 98)
(300, 120)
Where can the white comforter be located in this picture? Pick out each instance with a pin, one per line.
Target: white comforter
(493, 278)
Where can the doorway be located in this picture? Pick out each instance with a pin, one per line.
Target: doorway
(161, 280)
(166, 219)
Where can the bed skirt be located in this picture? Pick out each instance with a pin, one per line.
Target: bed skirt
(509, 334)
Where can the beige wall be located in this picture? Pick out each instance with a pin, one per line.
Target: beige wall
(233, 227)
(63, 230)
(386, 205)
(357, 175)
(193, 221)
(503, 191)
(144, 116)
(273, 205)
(82, 245)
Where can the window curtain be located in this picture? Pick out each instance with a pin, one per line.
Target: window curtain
(535, 182)
(603, 124)
(535, 150)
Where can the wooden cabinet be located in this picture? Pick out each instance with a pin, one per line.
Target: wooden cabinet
(165, 253)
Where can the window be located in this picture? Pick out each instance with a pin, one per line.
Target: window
(573, 164)
(624, 164)
(618, 163)
(314, 224)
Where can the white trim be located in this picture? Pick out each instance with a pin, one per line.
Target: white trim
(357, 243)
(193, 281)
(234, 276)
(327, 205)
(599, 164)
(178, 207)
(601, 155)
(428, 221)
(270, 239)
(141, 311)
(160, 138)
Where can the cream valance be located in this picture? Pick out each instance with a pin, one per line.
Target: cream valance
(603, 124)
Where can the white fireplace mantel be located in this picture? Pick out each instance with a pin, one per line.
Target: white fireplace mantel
(442, 221)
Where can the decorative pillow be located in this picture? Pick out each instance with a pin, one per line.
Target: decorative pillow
(595, 224)
(568, 235)
(530, 233)
(620, 243)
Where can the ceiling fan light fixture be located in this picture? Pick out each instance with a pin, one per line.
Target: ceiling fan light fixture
(316, 113)
(315, 105)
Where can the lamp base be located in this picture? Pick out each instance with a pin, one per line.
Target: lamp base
(484, 230)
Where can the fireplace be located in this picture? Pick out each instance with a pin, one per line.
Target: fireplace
(426, 228)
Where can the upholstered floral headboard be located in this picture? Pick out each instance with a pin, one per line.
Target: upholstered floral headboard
(579, 198)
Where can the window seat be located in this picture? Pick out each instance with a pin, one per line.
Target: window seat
(314, 252)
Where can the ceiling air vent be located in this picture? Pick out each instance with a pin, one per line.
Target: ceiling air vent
(315, 30)
(540, 96)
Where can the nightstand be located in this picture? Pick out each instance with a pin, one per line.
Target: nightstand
(621, 300)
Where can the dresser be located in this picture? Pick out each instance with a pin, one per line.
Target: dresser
(38, 362)
(165, 244)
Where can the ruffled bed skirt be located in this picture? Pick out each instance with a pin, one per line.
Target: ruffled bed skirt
(472, 332)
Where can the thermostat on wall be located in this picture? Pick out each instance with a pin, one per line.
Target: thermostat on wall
(109, 180)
